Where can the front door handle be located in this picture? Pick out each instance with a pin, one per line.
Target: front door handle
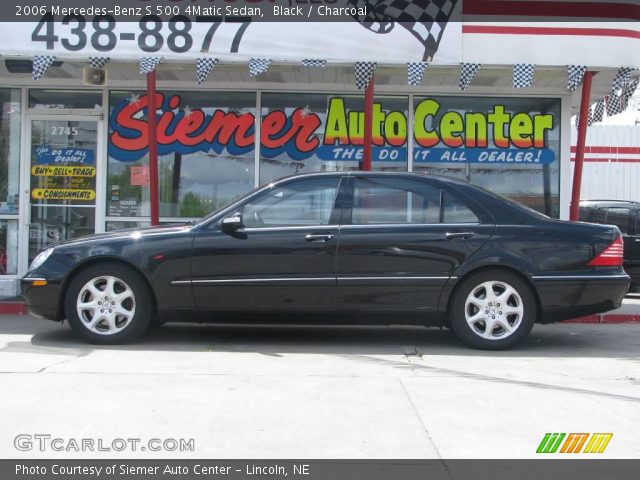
(463, 235)
(318, 237)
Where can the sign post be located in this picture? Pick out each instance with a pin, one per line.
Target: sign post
(368, 124)
(153, 147)
(582, 138)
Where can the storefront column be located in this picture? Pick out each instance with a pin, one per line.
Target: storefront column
(153, 148)
(582, 138)
(368, 123)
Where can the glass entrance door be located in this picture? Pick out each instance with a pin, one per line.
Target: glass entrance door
(62, 186)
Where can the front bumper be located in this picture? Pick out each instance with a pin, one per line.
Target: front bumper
(42, 300)
(567, 297)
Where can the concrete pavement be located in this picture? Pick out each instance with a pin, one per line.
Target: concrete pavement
(314, 392)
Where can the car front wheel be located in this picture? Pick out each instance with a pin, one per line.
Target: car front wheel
(492, 310)
(108, 304)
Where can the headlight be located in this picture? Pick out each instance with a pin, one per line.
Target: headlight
(40, 258)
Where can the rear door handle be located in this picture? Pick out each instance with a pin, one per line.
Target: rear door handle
(464, 235)
(318, 237)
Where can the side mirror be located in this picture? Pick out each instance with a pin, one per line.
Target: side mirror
(231, 223)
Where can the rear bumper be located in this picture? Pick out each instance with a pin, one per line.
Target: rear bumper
(42, 301)
(567, 297)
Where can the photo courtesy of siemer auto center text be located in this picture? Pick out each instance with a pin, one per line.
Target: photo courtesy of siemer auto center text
(319, 239)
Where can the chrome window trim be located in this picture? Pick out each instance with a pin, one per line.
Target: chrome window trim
(289, 228)
(405, 225)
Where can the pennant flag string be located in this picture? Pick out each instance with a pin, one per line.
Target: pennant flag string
(415, 72)
(204, 66)
(363, 73)
(41, 63)
(523, 75)
(98, 62)
(258, 66)
(467, 72)
(149, 64)
(575, 76)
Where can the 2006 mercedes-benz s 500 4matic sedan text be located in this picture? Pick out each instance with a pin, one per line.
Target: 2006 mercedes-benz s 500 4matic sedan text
(339, 248)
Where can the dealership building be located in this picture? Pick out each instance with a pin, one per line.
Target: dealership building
(485, 101)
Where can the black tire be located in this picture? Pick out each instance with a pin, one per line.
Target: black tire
(127, 328)
(474, 334)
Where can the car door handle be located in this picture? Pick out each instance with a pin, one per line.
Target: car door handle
(318, 237)
(464, 235)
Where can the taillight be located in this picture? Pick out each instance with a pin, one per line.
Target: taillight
(611, 256)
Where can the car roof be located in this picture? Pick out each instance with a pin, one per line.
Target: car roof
(609, 202)
(362, 173)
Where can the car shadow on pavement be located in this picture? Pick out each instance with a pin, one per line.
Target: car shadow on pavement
(559, 340)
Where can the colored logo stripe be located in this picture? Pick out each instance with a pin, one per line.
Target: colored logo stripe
(574, 442)
(598, 442)
(550, 443)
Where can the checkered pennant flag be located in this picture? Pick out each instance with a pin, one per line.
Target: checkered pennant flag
(589, 119)
(364, 73)
(621, 79)
(425, 19)
(415, 72)
(630, 89)
(523, 75)
(204, 65)
(598, 112)
(615, 104)
(258, 66)
(98, 62)
(314, 62)
(149, 64)
(467, 72)
(575, 76)
(41, 64)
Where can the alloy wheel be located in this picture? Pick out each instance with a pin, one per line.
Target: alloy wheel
(106, 305)
(494, 310)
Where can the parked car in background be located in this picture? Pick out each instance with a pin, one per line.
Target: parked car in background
(624, 215)
(343, 247)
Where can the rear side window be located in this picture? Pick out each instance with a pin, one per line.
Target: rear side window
(620, 217)
(401, 201)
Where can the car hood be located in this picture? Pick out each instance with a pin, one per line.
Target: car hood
(127, 233)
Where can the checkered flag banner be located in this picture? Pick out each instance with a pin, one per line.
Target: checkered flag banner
(364, 73)
(621, 79)
(149, 64)
(41, 64)
(258, 66)
(589, 119)
(575, 76)
(598, 112)
(415, 72)
(425, 19)
(523, 75)
(467, 72)
(314, 62)
(204, 66)
(98, 62)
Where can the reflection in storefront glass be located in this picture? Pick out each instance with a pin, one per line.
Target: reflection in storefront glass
(507, 145)
(9, 150)
(328, 132)
(8, 247)
(195, 176)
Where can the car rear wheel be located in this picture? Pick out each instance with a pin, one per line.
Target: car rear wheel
(108, 304)
(492, 310)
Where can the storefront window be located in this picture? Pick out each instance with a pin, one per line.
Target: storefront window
(508, 145)
(54, 99)
(319, 132)
(9, 151)
(8, 247)
(205, 145)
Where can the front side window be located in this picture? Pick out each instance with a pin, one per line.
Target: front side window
(398, 201)
(308, 202)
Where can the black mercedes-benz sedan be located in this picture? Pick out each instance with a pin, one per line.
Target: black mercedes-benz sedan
(339, 248)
